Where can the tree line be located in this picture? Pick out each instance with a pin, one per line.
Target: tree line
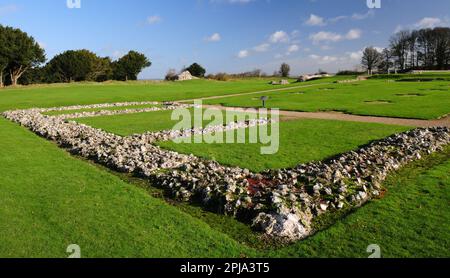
(22, 59)
(199, 71)
(424, 49)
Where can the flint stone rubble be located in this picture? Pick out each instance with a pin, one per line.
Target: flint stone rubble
(281, 82)
(90, 114)
(281, 203)
(168, 135)
(96, 106)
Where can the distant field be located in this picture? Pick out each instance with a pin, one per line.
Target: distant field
(79, 93)
(420, 100)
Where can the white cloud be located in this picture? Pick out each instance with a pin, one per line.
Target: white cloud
(293, 48)
(279, 36)
(325, 36)
(379, 49)
(315, 20)
(324, 59)
(262, 47)
(329, 59)
(322, 36)
(214, 38)
(154, 19)
(337, 18)
(243, 54)
(356, 55)
(353, 34)
(357, 16)
(428, 22)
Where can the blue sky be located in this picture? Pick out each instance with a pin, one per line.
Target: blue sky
(223, 35)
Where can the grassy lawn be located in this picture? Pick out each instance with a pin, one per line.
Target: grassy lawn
(139, 123)
(79, 93)
(411, 221)
(298, 144)
(53, 200)
(50, 199)
(421, 100)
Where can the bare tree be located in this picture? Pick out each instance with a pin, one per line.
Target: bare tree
(371, 59)
(386, 61)
(399, 47)
(284, 70)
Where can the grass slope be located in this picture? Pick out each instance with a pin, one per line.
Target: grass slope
(50, 200)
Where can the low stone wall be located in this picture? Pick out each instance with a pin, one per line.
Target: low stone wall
(168, 135)
(280, 203)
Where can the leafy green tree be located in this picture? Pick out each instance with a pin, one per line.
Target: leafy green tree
(79, 65)
(129, 66)
(101, 69)
(196, 70)
(71, 65)
(36, 75)
(19, 52)
(4, 54)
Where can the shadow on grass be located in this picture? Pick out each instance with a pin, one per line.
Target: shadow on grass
(242, 232)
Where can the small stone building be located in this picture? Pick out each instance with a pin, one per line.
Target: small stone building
(185, 75)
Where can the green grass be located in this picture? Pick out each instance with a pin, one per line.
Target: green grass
(50, 199)
(80, 93)
(139, 123)
(298, 144)
(411, 221)
(53, 200)
(421, 100)
(433, 76)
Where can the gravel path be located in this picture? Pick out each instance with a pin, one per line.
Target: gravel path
(292, 115)
(257, 92)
